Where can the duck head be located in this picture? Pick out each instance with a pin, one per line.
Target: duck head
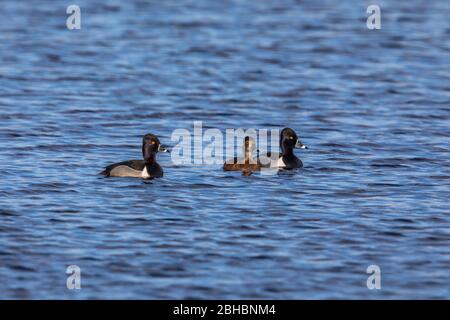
(151, 146)
(289, 140)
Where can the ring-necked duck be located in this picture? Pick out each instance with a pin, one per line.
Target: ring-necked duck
(286, 159)
(146, 169)
(246, 164)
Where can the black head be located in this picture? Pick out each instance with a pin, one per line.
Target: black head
(289, 140)
(151, 145)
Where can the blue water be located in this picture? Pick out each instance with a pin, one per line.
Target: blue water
(372, 105)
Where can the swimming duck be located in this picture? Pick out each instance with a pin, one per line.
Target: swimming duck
(286, 159)
(147, 168)
(247, 164)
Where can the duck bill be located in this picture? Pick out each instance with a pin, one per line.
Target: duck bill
(300, 145)
(162, 148)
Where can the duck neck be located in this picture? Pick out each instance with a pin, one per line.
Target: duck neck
(287, 151)
(150, 159)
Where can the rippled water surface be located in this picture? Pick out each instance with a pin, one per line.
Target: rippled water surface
(373, 106)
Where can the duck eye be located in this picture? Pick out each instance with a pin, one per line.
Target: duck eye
(153, 142)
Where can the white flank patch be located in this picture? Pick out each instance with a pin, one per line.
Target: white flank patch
(144, 173)
(280, 163)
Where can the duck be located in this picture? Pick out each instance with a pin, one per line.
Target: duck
(247, 164)
(286, 159)
(147, 168)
